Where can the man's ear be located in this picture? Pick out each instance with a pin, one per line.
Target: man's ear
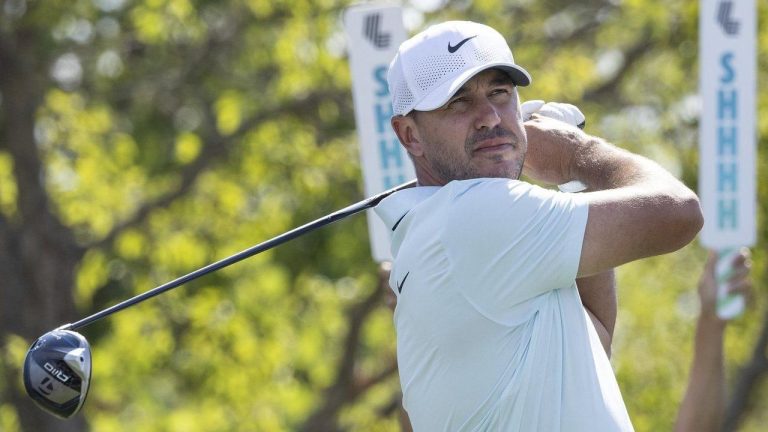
(405, 129)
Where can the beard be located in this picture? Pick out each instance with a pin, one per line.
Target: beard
(459, 166)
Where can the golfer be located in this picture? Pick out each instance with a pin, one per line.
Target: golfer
(491, 331)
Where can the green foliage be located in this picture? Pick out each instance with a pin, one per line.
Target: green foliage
(7, 186)
(230, 122)
(654, 335)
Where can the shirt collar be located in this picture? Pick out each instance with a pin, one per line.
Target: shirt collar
(393, 208)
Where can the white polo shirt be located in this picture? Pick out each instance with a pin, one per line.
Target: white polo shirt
(491, 332)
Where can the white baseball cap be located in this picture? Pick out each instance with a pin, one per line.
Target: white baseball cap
(431, 66)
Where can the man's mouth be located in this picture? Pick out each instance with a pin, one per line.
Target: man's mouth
(495, 140)
(493, 146)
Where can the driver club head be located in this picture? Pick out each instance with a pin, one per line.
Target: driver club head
(57, 372)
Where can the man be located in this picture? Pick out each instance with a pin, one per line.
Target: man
(492, 334)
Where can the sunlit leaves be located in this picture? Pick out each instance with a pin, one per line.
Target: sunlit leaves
(563, 77)
(652, 345)
(7, 185)
(12, 351)
(9, 421)
(93, 273)
(157, 21)
(91, 168)
(654, 335)
(163, 84)
(187, 147)
(260, 8)
(229, 112)
(488, 7)
(149, 25)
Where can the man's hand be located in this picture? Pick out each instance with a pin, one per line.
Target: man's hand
(564, 112)
(738, 283)
(551, 147)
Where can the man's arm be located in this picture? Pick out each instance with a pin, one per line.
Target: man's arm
(704, 402)
(636, 208)
(597, 292)
(598, 295)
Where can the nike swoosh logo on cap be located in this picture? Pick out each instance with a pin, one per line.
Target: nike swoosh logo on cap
(453, 49)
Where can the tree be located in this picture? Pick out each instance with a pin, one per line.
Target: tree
(141, 140)
(152, 138)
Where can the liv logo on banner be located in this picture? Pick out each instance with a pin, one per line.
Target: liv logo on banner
(373, 36)
(727, 135)
(729, 26)
(379, 40)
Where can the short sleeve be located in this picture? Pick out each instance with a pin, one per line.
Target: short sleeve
(510, 241)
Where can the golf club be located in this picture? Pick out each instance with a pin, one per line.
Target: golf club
(57, 367)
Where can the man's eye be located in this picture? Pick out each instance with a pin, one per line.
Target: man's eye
(457, 102)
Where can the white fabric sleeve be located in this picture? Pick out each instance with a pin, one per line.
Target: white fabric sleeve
(510, 241)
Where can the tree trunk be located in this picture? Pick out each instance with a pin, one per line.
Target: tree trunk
(750, 377)
(38, 254)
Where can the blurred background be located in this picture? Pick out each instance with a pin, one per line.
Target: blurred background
(140, 140)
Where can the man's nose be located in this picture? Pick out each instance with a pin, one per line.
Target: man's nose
(487, 115)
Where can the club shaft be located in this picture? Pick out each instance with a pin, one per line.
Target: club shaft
(253, 250)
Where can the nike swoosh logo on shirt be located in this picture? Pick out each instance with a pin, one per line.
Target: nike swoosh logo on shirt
(400, 285)
(398, 221)
(453, 49)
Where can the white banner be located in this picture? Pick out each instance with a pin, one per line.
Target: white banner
(727, 134)
(373, 36)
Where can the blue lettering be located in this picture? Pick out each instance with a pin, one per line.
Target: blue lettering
(380, 75)
(392, 181)
(730, 74)
(727, 146)
(726, 141)
(727, 177)
(726, 104)
(390, 152)
(727, 214)
(383, 115)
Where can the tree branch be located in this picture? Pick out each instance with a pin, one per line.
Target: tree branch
(749, 379)
(362, 385)
(346, 389)
(215, 147)
(608, 89)
(395, 406)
